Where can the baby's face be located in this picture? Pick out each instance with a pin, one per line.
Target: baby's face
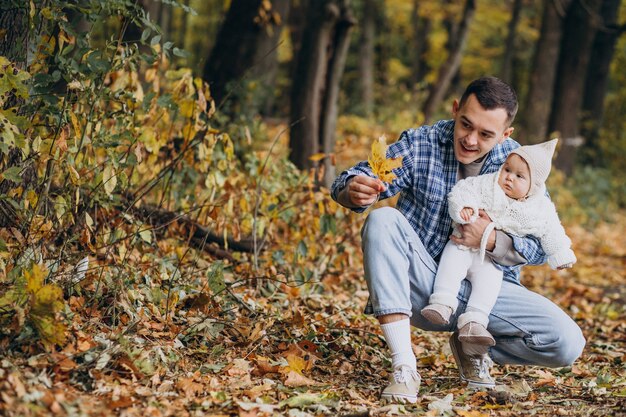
(515, 177)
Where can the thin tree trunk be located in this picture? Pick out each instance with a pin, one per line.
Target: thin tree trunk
(598, 71)
(165, 19)
(453, 26)
(578, 35)
(509, 47)
(314, 88)
(366, 56)
(421, 29)
(182, 33)
(336, 66)
(452, 64)
(382, 51)
(541, 90)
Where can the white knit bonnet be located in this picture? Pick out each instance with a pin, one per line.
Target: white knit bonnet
(539, 160)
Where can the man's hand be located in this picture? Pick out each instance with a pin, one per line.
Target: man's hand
(363, 190)
(466, 213)
(472, 233)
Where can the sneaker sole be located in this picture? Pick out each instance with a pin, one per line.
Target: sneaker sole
(470, 383)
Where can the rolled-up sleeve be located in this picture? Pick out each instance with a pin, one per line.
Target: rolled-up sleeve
(504, 253)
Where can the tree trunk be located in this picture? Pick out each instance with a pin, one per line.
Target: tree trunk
(164, 19)
(336, 65)
(265, 62)
(421, 29)
(506, 73)
(598, 70)
(14, 46)
(315, 86)
(153, 8)
(541, 90)
(14, 33)
(453, 27)
(180, 39)
(296, 22)
(235, 48)
(452, 63)
(578, 34)
(383, 50)
(366, 56)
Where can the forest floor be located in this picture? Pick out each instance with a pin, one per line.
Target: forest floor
(262, 344)
(309, 351)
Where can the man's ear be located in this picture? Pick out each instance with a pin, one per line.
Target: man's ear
(455, 107)
(506, 134)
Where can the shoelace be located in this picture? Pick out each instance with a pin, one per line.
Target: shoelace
(481, 365)
(404, 375)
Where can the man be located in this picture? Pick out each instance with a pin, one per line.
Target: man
(402, 245)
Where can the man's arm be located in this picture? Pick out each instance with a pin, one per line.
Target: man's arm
(356, 188)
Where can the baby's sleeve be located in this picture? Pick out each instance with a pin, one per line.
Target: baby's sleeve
(555, 242)
(466, 193)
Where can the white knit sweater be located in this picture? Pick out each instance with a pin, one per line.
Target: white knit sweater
(536, 215)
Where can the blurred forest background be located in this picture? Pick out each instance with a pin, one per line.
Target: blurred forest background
(167, 242)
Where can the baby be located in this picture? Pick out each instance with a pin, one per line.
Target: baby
(515, 200)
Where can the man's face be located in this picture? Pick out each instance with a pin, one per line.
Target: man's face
(476, 130)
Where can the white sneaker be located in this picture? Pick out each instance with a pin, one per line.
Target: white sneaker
(405, 384)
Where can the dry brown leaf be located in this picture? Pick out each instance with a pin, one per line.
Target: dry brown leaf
(263, 366)
(122, 402)
(295, 379)
(240, 367)
(189, 387)
(471, 413)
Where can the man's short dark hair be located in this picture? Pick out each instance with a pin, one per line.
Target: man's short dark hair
(493, 93)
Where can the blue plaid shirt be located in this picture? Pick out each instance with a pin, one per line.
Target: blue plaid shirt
(428, 173)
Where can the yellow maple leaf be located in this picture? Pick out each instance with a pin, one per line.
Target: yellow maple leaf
(296, 364)
(379, 163)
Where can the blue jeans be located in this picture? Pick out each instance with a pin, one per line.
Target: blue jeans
(529, 329)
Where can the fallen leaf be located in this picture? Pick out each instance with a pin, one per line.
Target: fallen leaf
(263, 366)
(189, 387)
(294, 379)
(240, 367)
(519, 388)
(472, 413)
(122, 402)
(296, 364)
(307, 398)
(443, 405)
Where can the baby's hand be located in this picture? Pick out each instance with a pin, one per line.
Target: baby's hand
(564, 266)
(466, 213)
